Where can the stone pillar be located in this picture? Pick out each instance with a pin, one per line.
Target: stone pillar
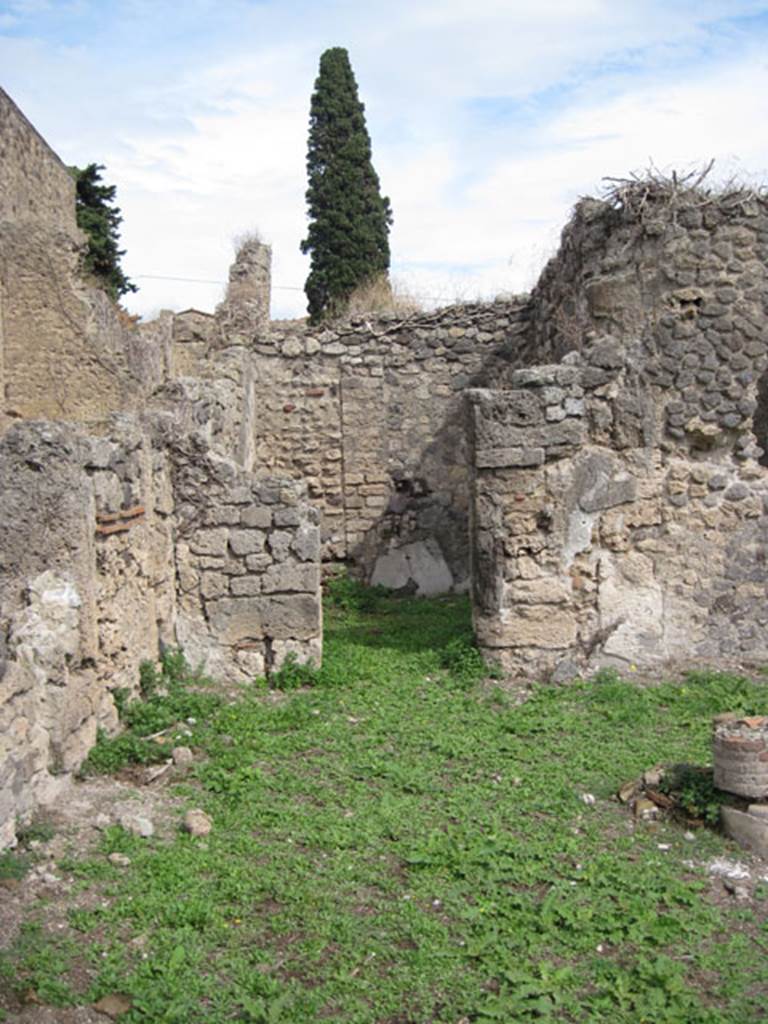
(244, 313)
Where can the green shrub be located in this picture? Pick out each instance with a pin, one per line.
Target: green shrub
(461, 657)
(693, 787)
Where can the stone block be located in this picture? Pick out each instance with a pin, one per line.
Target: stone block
(292, 578)
(245, 586)
(499, 458)
(279, 544)
(749, 830)
(600, 481)
(283, 617)
(247, 542)
(256, 518)
(306, 544)
(547, 590)
(209, 542)
(535, 626)
(213, 585)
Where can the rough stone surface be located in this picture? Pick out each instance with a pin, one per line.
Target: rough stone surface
(749, 830)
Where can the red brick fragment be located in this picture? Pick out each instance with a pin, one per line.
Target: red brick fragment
(105, 529)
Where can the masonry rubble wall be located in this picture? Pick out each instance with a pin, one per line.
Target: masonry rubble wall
(247, 556)
(81, 579)
(114, 545)
(619, 507)
(679, 276)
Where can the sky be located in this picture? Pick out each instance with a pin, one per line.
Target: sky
(488, 119)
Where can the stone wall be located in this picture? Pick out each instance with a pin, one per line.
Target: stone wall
(593, 545)
(68, 352)
(114, 545)
(679, 275)
(80, 570)
(247, 552)
(370, 414)
(35, 186)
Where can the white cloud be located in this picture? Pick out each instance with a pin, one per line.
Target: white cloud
(206, 142)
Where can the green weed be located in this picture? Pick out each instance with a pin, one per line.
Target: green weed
(391, 843)
(293, 674)
(694, 790)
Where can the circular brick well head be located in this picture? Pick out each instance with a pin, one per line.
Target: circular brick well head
(740, 755)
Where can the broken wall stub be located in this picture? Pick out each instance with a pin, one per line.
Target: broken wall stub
(247, 564)
(245, 308)
(369, 413)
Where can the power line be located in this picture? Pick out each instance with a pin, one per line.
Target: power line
(205, 280)
(275, 287)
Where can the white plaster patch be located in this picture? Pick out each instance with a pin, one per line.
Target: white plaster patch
(420, 563)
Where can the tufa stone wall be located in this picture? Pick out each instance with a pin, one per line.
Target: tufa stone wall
(247, 554)
(114, 545)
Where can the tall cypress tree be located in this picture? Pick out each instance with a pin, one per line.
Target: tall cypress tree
(349, 219)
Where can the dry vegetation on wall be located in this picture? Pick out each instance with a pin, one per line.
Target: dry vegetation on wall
(382, 295)
(652, 188)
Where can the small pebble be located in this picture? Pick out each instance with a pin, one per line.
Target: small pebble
(182, 756)
(197, 823)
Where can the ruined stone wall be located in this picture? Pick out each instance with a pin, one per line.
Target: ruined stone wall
(66, 352)
(83, 592)
(679, 276)
(35, 186)
(619, 500)
(247, 552)
(597, 540)
(113, 545)
(370, 414)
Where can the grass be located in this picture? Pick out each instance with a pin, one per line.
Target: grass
(398, 844)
